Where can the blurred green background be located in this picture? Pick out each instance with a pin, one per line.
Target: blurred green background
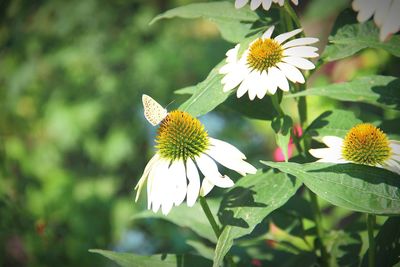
(73, 138)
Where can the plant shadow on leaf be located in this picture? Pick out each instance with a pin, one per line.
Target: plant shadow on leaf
(354, 170)
(349, 252)
(389, 95)
(318, 123)
(237, 197)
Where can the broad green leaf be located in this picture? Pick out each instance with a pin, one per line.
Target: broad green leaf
(282, 127)
(248, 203)
(322, 9)
(234, 24)
(381, 91)
(352, 186)
(208, 94)
(202, 249)
(335, 123)
(189, 90)
(160, 260)
(261, 109)
(387, 244)
(352, 38)
(184, 216)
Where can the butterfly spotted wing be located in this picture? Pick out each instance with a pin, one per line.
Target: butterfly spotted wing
(153, 112)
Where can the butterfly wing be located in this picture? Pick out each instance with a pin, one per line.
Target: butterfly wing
(153, 112)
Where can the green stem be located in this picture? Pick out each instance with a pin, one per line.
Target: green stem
(320, 231)
(277, 106)
(371, 240)
(292, 14)
(210, 217)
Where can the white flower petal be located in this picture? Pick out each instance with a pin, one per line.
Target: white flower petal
(324, 153)
(210, 170)
(381, 12)
(270, 84)
(367, 10)
(177, 170)
(146, 171)
(226, 159)
(333, 160)
(254, 4)
(291, 72)
(333, 141)
(267, 34)
(300, 41)
(206, 187)
(232, 150)
(296, 2)
(266, 4)
(227, 68)
(233, 79)
(301, 51)
(395, 146)
(262, 90)
(240, 3)
(284, 36)
(278, 76)
(391, 23)
(299, 62)
(194, 182)
(393, 166)
(158, 184)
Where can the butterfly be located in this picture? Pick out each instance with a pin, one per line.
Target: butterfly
(153, 112)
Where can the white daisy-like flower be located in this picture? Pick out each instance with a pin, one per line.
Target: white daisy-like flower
(266, 4)
(363, 144)
(268, 63)
(183, 147)
(385, 12)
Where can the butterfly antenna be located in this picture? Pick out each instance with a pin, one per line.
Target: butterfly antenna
(169, 103)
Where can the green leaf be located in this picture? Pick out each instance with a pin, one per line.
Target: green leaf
(248, 203)
(189, 90)
(208, 94)
(381, 91)
(352, 186)
(160, 260)
(334, 123)
(261, 109)
(234, 24)
(202, 249)
(184, 216)
(133, 260)
(387, 244)
(282, 127)
(352, 38)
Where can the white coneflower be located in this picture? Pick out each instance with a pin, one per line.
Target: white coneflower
(266, 4)
(268, 63)
(385, 12)
(183, 147)
(363, 144)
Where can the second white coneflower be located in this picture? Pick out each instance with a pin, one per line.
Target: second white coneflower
(266, 4)
(183, 147)
(268, 63)
(363, 144)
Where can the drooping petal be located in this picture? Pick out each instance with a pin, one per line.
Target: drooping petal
(194, 182)
(254, 4)
(367, 10)
(280, 79)
(332, 141)
(232, 150)
(206, 187)
(177, 170)
(210, 170)
(266, 4)
(391, 23)
(146, 171)
(158, 184)
(292, 73)
(270, 83)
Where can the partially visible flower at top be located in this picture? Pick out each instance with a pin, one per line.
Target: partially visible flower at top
(363, 144)
(183, 143)
(385, 12)
(266, 4)
(268, 63)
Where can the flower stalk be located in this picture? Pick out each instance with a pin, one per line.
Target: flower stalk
(210, 217)
(371, 240)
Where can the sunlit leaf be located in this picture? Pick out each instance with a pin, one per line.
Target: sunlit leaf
(234, 24)
(352, 186)
(282, 127)
(247, 203)
(170, 260)
(352, 38)
(332, 123)
(381, 91)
